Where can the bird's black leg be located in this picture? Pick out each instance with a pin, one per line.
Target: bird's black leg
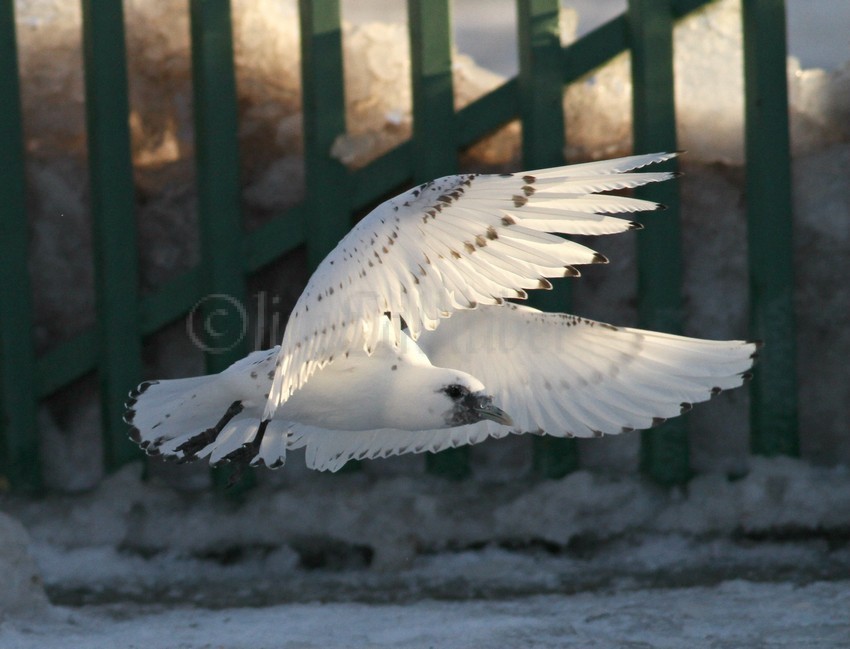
(243, 455)
(190, 447)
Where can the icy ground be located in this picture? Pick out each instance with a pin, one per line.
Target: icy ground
(734, 614)
(352, 561)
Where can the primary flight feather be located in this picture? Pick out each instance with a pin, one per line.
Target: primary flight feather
(404, 341)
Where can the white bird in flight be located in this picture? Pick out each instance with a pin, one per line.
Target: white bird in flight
(404, 340)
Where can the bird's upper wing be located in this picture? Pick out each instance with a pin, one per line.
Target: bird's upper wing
(451, 244)
(569, 376)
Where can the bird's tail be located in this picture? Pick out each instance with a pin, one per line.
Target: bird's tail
(217, 416)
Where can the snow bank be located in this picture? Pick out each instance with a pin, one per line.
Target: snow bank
(390, 523)
(22, 593)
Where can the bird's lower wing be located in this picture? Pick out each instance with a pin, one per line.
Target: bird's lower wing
(552, 373)
(571, 377)
(329, 450)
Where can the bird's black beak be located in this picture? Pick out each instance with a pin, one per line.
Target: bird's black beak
(483, 406)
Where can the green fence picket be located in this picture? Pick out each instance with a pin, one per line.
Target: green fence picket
(323, 100)
(434, 137)
(664, 449)
(113, 218)
(19, 466)
(222, 310)
(773, 422)
(323, 110)
(217, 168)
(542, 116)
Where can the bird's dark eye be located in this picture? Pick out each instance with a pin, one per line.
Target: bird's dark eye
(455, 391)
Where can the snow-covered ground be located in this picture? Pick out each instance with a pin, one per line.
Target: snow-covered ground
(734, 614)
(356, 561)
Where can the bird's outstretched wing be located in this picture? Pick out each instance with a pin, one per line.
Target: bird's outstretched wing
(568, 376)
(450, 244)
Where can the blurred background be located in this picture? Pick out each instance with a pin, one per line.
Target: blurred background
(226, 185)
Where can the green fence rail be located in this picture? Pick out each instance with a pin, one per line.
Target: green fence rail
(112, 349)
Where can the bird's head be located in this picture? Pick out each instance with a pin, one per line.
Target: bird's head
(468, 406)
(444, 398)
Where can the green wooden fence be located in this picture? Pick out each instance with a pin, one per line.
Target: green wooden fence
(112, 349)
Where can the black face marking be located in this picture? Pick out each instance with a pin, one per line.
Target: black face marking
(455, 391)
(467, 407)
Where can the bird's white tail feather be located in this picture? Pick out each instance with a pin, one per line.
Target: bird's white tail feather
(208, 416)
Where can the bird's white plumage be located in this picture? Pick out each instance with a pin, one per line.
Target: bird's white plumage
(348, 382)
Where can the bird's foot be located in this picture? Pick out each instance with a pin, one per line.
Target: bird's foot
(241, 458)
(196, 443)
